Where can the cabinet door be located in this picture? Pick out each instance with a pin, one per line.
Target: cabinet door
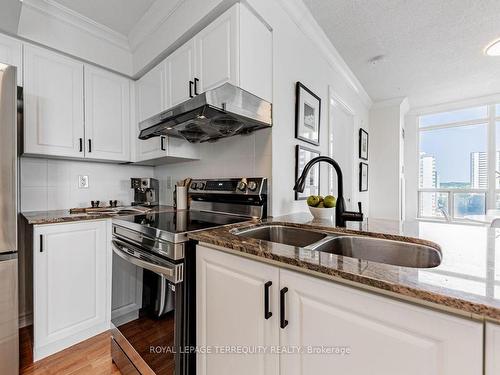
(230, 293)
(53, 104)
(150, 95)
(180, 69)
(217, 52)
(383, 336)
(11, 51)
(107, 115)
(72, 287)
(492, 349)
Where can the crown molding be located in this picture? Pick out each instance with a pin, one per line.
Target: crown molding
(53, 9)
(456, 104)
(303, 18)
(157, 14)
(400, 101)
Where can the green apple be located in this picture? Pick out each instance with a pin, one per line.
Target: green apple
(313, 201)
(330, 201)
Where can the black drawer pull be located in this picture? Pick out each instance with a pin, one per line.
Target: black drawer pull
(283, 321)
(162, 143)
(267, 313)
(41, 243)
(90, 145)
(191, 83)
(196, 80)
(81, 144)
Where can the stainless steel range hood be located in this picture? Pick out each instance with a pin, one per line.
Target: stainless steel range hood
(218, 113)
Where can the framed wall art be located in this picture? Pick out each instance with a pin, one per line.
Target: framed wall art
(307, 115)
(302, 156)
(363, 144)
(363, 176)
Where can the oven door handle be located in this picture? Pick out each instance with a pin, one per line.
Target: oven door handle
(172, 273)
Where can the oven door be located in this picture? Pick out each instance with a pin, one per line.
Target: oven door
(146, 311)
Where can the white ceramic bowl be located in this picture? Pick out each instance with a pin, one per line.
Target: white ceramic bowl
(322, 213)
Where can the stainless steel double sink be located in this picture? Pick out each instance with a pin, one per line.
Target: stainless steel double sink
(393, 252)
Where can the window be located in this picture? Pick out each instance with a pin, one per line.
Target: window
(454, 162)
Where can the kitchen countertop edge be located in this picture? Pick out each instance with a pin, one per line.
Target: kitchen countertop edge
(223, 239)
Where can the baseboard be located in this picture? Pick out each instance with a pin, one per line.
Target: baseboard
(25, 320)
(54, 347)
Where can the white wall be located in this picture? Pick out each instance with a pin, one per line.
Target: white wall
(239, 156)
(48, 184)
(386, 156)
(296, 57)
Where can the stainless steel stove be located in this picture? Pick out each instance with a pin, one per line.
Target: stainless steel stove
(153, 298)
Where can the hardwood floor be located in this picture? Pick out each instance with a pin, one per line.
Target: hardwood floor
(92, 356)
(147, 332)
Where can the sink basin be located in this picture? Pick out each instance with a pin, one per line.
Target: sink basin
(282, 234)
(378, 250)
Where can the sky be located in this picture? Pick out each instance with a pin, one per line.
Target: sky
(452, 148)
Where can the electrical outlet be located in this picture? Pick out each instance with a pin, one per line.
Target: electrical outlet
(83, 182)
(169, 182)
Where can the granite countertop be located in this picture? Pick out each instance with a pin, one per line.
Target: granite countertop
(467, 282)
(64, 216)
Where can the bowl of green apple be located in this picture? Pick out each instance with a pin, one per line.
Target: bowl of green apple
(322, 207)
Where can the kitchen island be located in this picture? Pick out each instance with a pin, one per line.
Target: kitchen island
(391, 319)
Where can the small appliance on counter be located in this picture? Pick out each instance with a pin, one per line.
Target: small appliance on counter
(146, 191)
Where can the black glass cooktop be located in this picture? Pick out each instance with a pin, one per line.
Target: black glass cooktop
(182, 221)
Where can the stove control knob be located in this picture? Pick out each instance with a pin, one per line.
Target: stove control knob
(201, 185)
(252, 185)
(194, 185)
(241, 186)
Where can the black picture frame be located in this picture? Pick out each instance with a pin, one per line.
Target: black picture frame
(363, 177)
(363, 153)
(315, 171)
(301, 94)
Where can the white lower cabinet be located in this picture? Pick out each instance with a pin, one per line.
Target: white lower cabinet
(384, 336)
(377, 335)
(231, 313)
(492, 349)
(72, 284)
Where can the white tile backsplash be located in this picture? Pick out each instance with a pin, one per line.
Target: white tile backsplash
(240, 156)
(47, 184)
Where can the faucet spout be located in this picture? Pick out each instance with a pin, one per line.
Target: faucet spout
(341, 215)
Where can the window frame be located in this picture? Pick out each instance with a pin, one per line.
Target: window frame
(491, 149)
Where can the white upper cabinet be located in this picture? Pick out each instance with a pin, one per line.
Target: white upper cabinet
(180, 75)
(107, 115)
(53, 104)
(213, 57)
(11, 52)
(232, 293)
(383, 336)
(150, 97)
(217, 52)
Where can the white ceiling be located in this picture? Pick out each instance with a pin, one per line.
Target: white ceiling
(119, 15)
(433, 48)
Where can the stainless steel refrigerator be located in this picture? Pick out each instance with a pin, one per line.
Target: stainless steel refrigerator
(9, 340)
